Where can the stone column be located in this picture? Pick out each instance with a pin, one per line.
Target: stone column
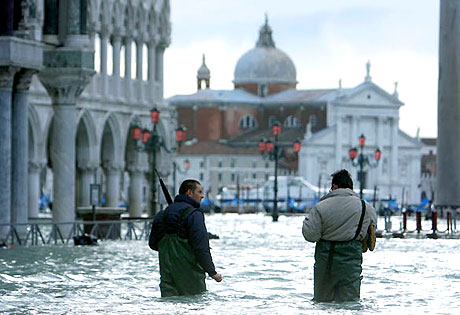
(104, 41)
(139, 59)
(112, 175)
(139, 70)
(116, 43)
(35, 168)
(136, 176)
(160, 49)
(338, 144)
(86, 178)
(354, 130)
(6, 89)
(20, 150)
(394, 156)
(379, 144)
(152, 68)
(73, 24)
(64, 86)
(128, 52)
(448, 144)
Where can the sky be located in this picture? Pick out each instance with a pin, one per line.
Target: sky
(327, 40)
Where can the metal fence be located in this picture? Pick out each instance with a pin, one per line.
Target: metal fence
(43, 233)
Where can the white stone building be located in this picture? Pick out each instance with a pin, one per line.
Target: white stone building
(78, 113)
(366, 109)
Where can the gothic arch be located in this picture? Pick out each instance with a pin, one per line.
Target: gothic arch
(47, 137)
(110, 140)
(86, 138)
(36, 148)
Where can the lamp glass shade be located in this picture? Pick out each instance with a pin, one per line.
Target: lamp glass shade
(296, 146)
(362, 140)
(269, 146)
(353, 153)
(378, 155)
(262, 145)
(146, 135)
(186, 164)
(276, 129)
(155, 115)
(136, 133)
(180, 135)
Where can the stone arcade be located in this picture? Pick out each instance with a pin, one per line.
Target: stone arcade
(69, 121)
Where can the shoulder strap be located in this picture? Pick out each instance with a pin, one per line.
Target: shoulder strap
(185, 213)
(361, 219)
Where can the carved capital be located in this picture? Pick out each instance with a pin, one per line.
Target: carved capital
(87, 166)
(64, 85)
(136, 169)
(113, 167)
(7, 77)
(24, 79)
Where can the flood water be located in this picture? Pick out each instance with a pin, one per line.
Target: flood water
(267, 269)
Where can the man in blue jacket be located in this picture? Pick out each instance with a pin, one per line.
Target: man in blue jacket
(179, 235)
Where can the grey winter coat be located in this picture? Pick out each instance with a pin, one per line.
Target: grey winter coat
(336, 217)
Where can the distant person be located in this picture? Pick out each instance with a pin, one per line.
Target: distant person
(343, 227)
(179, 235)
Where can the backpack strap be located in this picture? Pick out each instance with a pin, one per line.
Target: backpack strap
(361, 219)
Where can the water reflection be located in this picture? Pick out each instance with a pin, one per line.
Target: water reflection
(267, 269)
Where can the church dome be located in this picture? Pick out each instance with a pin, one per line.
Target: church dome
(265, 64)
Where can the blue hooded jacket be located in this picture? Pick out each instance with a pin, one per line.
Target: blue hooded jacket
(190, 227)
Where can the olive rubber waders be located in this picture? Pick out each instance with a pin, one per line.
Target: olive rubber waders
(180, 273)
(337, 271)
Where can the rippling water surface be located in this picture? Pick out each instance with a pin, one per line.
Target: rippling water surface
(267, 268)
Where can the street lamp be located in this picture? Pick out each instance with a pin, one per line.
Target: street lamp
(363, 160)
(152, 141)
(272, 151)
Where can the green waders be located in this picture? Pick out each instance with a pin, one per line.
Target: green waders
(337, 278)
(179, 270)
(337, 274)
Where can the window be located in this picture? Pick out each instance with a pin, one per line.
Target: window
(254, 175)
(219, 164)
(266, 164)
(232, 163)
(201, 164)
(219, 177)
(266, 177)
(262, 90)
(233, 177)
(201, 176)
(248, 122)
(254, 164)
(312, 120)
(291, 122)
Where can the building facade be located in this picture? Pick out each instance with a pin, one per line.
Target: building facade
(81, 99)
(370, 111)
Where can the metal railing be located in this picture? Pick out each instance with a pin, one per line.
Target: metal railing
(43, 233)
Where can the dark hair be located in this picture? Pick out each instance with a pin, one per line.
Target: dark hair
(342, 179)
(188, 184)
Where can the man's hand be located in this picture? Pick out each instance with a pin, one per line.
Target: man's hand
(217, 277)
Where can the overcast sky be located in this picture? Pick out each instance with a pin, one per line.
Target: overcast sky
(327, 40)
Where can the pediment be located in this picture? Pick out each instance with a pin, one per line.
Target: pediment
(369, 94)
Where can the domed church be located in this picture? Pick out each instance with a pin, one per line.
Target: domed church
(224, 127)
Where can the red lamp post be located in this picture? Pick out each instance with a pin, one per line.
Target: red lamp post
(362, 161)
(274, 153)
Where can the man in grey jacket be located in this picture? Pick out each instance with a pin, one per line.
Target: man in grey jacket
(343, 228)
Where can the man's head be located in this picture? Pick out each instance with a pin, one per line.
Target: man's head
(193, 189)
(342, 179)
